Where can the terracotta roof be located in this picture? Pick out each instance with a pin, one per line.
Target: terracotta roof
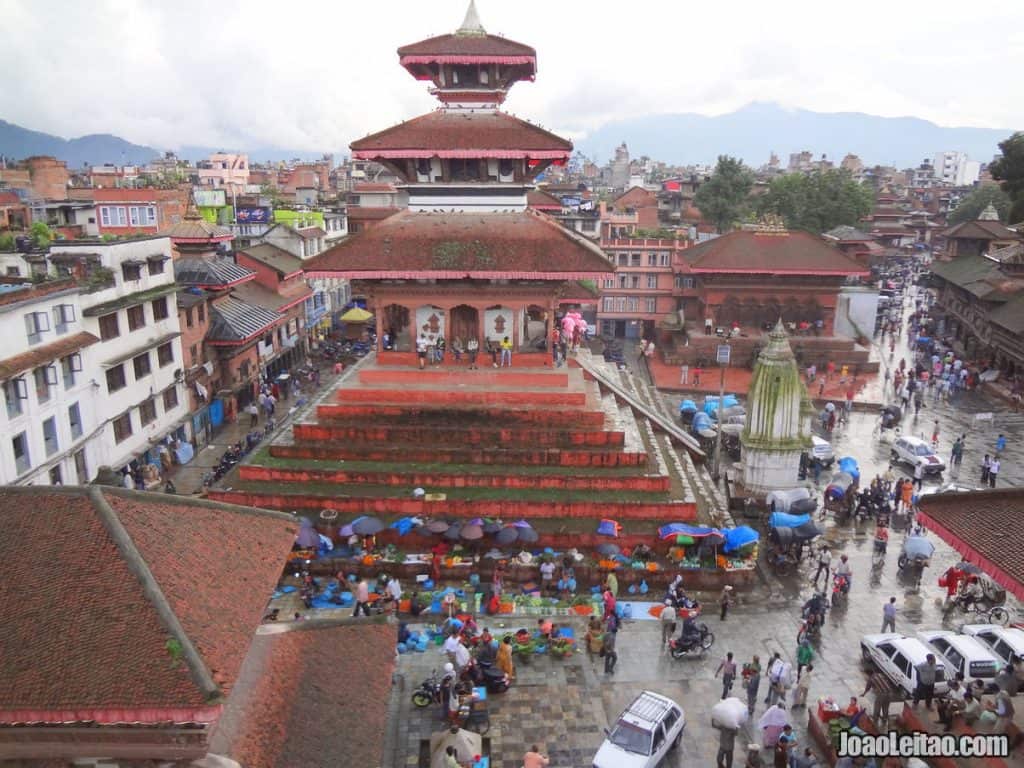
(309, 233)
(846, 234)
(770, 253)
(980, 230)
(278, 259)
(261, 296)
(148, 604)
(540, 200)
(33, 291)
(985, 527)
(370, 213)
(374, 188)
(453, 246)
(450, 133)
(44, 354)
(197, 230)
(483, 47)
(315, 694)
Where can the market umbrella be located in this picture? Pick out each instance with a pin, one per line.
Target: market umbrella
(454, 532)
(521, 524)
(528, 535)
(830, 407)
(367, 526)
(476, 521)
(307, 537)
(346, 530)
(507, 535)
(437, 526)
(471, 532)
(608, 549)
(968, 567)
(492, 526)
(356, 315)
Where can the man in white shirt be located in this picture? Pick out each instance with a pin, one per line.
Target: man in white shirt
(451, 646)
(993, 470)
(824, 564)
(668, 622)
(547, 575)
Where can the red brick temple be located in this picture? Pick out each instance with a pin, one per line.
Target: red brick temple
(468, 259)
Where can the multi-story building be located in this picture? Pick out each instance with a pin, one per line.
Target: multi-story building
(223, 170)
(642, 290)
(955, 169)
(41, 178)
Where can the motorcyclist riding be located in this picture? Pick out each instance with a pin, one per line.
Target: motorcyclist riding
(881, 539)
(843, 570)
(972, 593)
(690, 635)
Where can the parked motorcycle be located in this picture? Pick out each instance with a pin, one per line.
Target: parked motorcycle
(692, 646)
(429, 691)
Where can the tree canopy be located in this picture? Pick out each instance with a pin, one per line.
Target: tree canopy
(978, 200)
(1009, 170)
(817, 202)
(723, 198)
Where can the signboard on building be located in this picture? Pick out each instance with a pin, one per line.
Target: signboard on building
(571, 202)
(723, 353)
(210, 198)
(252, 215)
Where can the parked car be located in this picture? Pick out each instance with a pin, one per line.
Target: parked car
(1007, 643)
(914, 451)
(898, 656)
(963, 654)
(643, 734)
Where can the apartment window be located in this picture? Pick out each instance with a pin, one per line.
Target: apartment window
(634, 260)
(136, 317)
(13, 272)
(122, 428)
(652, 259)
(160, 309)
(243, 370)
(623, 281)
(623, 259)
(608, 304)
(170, 399)
(193, 354)
(50, 436)
(652, 306)
(620, 303)
(666, 259)
(108, 327)
(201, 313)
(652, 281)
(22, 461)
(147, 411)
(142, 216)
(634, 281)
(632, 304)
(56, 477)
(609, 282)
(36, 324)
(189, 321)
(113, 216)
(688, 282)
(15, 391)
(165, 354)
(63, 316)
(141, 365)
(81, 470)
(75, 421)
(45, 377)
(115, 379)
(155, 266)
(589, 225)
(69, 366)
(132, 271)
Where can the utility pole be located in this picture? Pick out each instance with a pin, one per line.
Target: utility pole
(722, 357)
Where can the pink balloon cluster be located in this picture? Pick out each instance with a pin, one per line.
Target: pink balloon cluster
(573, 321)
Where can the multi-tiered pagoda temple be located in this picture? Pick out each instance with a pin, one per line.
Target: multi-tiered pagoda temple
(466, 259)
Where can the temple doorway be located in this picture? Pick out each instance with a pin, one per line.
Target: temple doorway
(535, 328)
(465, 324)
(395, 321)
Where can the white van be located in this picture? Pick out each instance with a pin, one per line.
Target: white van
(1007, 643)
(963, 654)
(898, 656)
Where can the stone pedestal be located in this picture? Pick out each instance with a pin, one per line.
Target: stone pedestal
(767, 471)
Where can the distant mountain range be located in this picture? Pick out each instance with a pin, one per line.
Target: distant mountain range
(755, 131)
(751, 133)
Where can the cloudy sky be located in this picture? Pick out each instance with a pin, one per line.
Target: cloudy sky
(314, 75)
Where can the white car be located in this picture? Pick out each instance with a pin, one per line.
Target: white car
(1007, 643)
(644, 733)
(963, 654)
(898, 656)
(914, 451)
(822, 451)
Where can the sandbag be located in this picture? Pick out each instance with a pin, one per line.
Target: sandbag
(729, 713)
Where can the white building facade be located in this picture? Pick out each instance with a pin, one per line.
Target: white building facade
(955, 169)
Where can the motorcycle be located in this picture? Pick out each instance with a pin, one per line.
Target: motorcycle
(840, 588)
(429, 691)
(696, 646)
(486, 674)
(813, 617)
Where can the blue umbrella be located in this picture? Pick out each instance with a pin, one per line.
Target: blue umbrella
(367, 526)
(307, 537)
(507, 535)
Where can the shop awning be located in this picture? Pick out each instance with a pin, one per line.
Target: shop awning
(985, 527)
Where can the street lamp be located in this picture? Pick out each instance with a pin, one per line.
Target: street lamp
(722, 356)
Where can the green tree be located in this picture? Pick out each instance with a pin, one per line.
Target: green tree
(6, 241)
(41, 234)
(723, 198)
(817, 202)
(1009, 170)
(978, 200)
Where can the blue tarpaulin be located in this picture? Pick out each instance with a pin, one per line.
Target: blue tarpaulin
(403, 526)
(849, 465)
(782, 520)
(701, 421)
(682, 529)
(736, 538)
(687, 406)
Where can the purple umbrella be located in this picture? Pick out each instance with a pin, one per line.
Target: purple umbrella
(528, 535)
(367, 526)
(346, 530)
(471, 532)
(521, 524)
(307, 537)
(437, 526)
(476, 521)
(454, 532)
(507, 535)
(492, 527)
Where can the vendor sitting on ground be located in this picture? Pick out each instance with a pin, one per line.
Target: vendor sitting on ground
(415, 606)
(545, 627)
(642, 552)
(595, 636)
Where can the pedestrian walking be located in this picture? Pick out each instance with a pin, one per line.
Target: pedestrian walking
(993, 471)
(889, 615)
(925, 681)
(918, 474)
(774, 678)
(752, 677)
(935, 434)
(824, 564)
(608, 651)
(804, 655)
(668, 622)
(803, 685)
(884, 692)
(1000, 444)
(986, 463)
(725, 599)
(726, 745)
(684, 374)
(362, 598)
(254, 414)
(696, 376)
(728, 669)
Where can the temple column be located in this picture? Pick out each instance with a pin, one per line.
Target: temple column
(378, 320)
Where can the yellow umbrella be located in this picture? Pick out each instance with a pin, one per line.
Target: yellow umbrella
(356, 315)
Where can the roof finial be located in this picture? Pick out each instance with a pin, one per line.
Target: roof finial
(989, 214)
(471, 24)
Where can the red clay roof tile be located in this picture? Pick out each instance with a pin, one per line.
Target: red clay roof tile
(484, 46)
(770, 253)
(47, 353)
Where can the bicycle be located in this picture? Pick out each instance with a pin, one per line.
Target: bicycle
(988, 614)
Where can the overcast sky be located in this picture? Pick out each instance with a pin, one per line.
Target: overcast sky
(315, 75)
